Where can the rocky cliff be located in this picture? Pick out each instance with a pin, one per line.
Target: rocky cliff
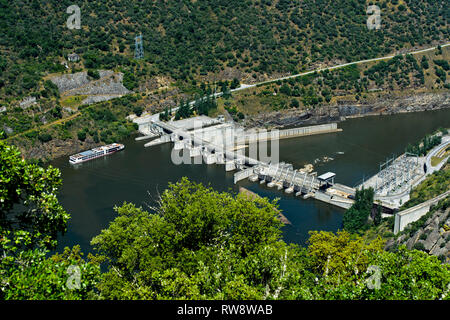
(108, 86)
(56, 148)
(432, 236)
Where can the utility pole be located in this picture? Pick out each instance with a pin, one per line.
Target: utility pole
(138, 47)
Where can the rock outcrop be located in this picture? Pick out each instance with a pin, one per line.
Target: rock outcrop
(108, 87)
(68, 82)
(334, 113)
(58, 148)
(432, 237)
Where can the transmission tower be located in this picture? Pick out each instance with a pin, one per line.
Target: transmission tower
(138, 47)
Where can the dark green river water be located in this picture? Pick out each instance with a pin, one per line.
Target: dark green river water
(137, 174)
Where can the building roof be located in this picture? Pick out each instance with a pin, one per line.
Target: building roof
(73, 56)
(326, 176)
(86, 153)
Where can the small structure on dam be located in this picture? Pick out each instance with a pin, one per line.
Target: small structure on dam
(327, 179)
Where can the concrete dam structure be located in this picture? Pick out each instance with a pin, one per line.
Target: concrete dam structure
(213, 141)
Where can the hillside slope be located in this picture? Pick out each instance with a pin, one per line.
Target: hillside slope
(188, 40)
(193, 46)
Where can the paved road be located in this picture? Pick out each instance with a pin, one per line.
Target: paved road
(433, 152)
(246, 86)
(155, 117)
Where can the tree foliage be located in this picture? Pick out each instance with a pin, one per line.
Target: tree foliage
(356, 217)
(30, 220)
(422, 147)
(195, 243)
(34, 276)
(28, 202)
(201, 244)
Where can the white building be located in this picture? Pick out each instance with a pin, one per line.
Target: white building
(73, 57)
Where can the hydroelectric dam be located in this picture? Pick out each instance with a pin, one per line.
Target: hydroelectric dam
(213, 141)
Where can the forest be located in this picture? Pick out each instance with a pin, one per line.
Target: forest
(190, 39)
(356, 84)
(200, 243)
(201, 46)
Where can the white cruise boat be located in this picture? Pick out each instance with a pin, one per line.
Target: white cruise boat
(95, 153)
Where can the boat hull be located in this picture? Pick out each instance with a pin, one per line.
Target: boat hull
(103, 154)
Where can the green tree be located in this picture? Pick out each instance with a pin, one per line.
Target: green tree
(294, 103)
(164, 116)
(65, 276)
(350, 267)
(356, 217)
(30, 220)
(81, 135)
(45, 137)
(184, 111)
(234, 84)
(339, 258)
(410, 275)
(377, 216)
(285, 89)
(138, 110)
(424, 63)
(196, 244)
(441, 74)
(94, 74)
(28, 202)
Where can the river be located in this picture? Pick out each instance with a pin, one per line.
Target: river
(137, 174)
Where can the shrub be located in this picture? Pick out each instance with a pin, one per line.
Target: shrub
(44, 137)
(419, 246)
(81, 135)
(138, 110)
(93, 74)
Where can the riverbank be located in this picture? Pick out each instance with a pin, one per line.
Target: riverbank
(252, 195)
(340, 112)
(56, 148)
